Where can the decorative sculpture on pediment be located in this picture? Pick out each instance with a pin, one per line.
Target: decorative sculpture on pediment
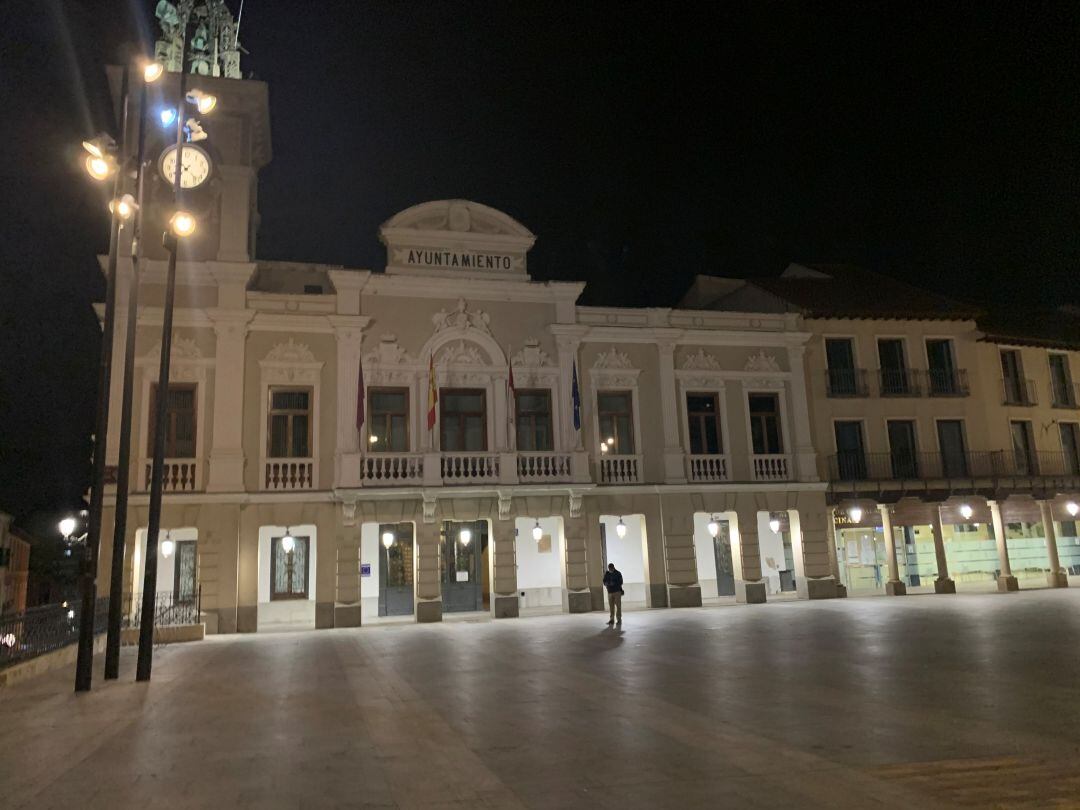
(388, 353)
(461, 353)
(531, 355)
(761, 362)
(701, 361)
(290, 352)
(613, 359)
(462, 318)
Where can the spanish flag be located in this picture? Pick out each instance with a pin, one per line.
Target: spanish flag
(433, 393)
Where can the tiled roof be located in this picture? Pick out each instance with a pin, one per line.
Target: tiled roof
(1056, 329)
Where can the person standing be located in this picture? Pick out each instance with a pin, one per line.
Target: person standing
(613, 583)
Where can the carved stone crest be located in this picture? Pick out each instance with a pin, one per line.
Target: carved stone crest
(531, 355)
(388, 353)
(461, 353)
(290, 352)
(761, 362)
(462, 318)
(701, 361)
(613, 359)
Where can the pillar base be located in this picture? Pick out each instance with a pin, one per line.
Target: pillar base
(944, 585)
(684, 596)
(581, 601)
(1057, 579)
(247, 619)
(347, 615)
(597, 595)
(816, 587)
(1006, 584)
(750, 593)
(657, 596)
(429, 611)
(506, 607)
(895, 588)
(841, 590)
(324, 615)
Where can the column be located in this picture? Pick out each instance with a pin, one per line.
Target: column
(348, 333)
(674, 457)
(594, 555)
(943, 584)
(226, 472)
(1057, 577)
(805, 457)
(746, 559)
(247, 570)
(505, 603)
(1006, 581)
(653, 534)
(834, 558)
(894, 586)
(347, 578)
(428, 588)
(327, 536)
(677, 524)
(810, 548)
(577, 597)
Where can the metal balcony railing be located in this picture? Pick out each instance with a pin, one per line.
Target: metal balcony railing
(1063, 394)
(898, 382)
(846, 382)
(945, 382)
(1017, 391)
(934, 465)
(43, 629)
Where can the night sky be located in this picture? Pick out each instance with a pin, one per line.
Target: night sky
(642, 143)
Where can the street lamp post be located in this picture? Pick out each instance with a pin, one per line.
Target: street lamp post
(151, 71)
(181, 224)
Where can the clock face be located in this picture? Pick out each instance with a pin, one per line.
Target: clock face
(195, 170)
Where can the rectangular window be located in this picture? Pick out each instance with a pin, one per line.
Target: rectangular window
(765, 431)
(850, 453)
(1023, 448)
(533, 419)
(1061, 386)
(463, 420)
(389, 420)
(842, 376)
(289, 568)
(953, 448)
(614, 410)
(1013, 378)
(703, 421)
(942, 367)
(903, 456)
(184, 571)
(289, 423)
(1070, 446)
(895, 379)
(179, 421)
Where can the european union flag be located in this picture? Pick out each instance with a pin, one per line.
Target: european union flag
(575, 395)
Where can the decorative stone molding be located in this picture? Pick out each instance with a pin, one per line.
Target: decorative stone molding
(462, 318)
(461, 353)
(531, 355)
(430, 502)
(761, 362)
(182, 349)
(348, 512)
(505, 503)
(290, 352)
(613, 359)
(575, 504)
(700, 361)
(186, 361)
(388, 353)
(764, 383)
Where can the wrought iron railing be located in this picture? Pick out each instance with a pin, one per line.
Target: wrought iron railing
(44, 629)
(846, 382)
(170, 608)
(898, 382)
(1063, 394)
(930, 465)
(1016, 391)
(946, 382)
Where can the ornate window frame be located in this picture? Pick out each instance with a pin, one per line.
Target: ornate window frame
(613, 371)
(700, 372)
(290, 364)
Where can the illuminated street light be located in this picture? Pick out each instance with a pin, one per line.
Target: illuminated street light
(387, 540)
(713, 527)
(98, 167)
(774, 524)
(204, 102)
(125, 207)
(167, 116)
(465, 536)
(537, 532)
(100, 146)
(966, 511)
(288, 543)
(152, 71)
(855, 513)
(67, 527)
(1072, 508)
(182, 224)
(620, 528)
(167, 547)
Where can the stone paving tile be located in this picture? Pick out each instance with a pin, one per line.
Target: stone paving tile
(964, 701)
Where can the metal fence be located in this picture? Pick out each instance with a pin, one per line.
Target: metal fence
(43, 629)
(855, 465)
(169, 608)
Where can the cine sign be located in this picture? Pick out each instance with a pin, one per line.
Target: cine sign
(465, 259)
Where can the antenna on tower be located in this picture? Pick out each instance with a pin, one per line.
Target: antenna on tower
(239, 17)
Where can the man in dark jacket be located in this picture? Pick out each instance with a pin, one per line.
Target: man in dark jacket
(613, 583)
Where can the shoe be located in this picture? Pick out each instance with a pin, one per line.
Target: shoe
(619, 622)
(611, 623)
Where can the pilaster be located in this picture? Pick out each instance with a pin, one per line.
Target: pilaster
(505, 603)
(568, 342)
(226, 467)
(805, 457)
(349, 335)
(674, 456)
(656, 595)
(746, 559)
(680, 559)
(428, 587)
(809, 547)
(577, 597)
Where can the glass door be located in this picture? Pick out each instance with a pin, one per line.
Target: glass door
(289, 569)
(902, 454)
(894, 376)
(850, 455)
(396, 570)
(840, 357)
(725, 571)
(939, 356)
(184, 571)
(953, 450)
(463, 549)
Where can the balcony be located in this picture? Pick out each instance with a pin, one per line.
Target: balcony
(1063, 394)
(469, 468)
(288, 474)
(178, 475)
(772, 467)
(620, 470)
(933, 465)
(846, 382)
(945, 382)
(707, 468)
(392, 469)
(898, 382)
(537, 467)
(1017, 391)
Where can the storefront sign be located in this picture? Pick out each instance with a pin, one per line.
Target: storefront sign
(426, 257)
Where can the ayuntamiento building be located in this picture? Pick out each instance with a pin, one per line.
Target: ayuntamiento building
(451, 435)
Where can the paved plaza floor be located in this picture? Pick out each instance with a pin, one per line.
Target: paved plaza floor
(924, 701)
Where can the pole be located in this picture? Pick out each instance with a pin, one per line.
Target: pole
(116, 579)
(84, 663)
(146, 625)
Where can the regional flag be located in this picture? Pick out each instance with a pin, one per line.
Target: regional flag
(575, 396)
(433, 393)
